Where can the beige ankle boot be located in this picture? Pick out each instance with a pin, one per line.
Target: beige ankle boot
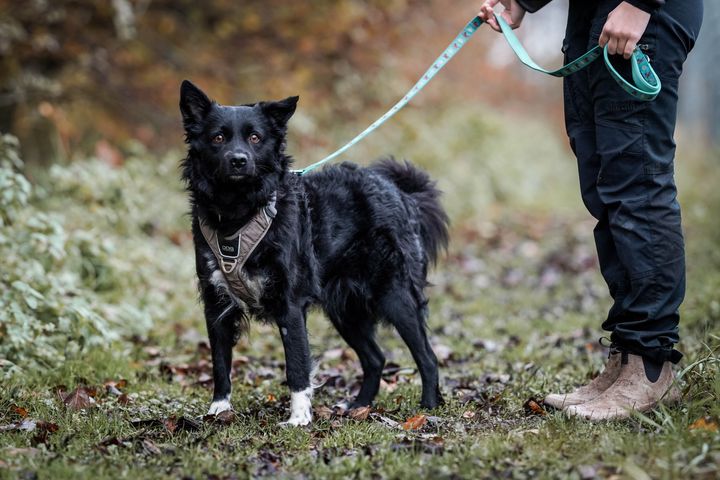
(640, 386)
(588, 392)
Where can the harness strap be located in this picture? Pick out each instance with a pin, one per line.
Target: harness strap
(232, 252)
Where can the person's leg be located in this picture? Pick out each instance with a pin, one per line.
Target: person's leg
(581, 130)
(635, 183)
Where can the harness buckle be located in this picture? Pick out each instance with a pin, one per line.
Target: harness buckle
(228, 265)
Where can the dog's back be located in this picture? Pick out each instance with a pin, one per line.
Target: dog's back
(375, 230)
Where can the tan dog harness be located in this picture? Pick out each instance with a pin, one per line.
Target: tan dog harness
(232, 252)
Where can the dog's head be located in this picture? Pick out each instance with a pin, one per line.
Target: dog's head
(234, 145)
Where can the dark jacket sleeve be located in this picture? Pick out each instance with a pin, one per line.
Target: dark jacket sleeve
(533, 5)
(647, 5)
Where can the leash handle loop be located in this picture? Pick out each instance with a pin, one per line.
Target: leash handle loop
(646, 86)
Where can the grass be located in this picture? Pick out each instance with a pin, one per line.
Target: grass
(516, 307)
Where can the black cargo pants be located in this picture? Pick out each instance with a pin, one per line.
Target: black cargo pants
(625, 152)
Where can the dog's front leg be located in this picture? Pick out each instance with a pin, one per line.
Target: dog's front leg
(298, 366)
(221, 333)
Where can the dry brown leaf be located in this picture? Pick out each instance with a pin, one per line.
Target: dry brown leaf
(271, 398)
(323, 412)
(704, 423)
(414, 423)
(113, 386)
(44, 429)
(20, 411)
(359, 413)
(532, 407)
(226, 417)
(79, 399)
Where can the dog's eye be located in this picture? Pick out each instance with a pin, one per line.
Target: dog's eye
(254, 138)
(219, 138)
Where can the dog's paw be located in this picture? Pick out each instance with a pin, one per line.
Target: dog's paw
(299, 421)
(342, 406)
(300, 409)
(219, 406)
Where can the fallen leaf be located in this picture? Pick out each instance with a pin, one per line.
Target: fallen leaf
(532, 407)
(321, 411)
(27, 425)
(468, 414)
(226, 417)
(79, 399)
(182, 424)
(271, 398)
(20, 411)
(414, 423)
(385, 420)
(149, 447)
(123, 399)
(113, 387)
(359, 413)
(44, 429)
(704, 423)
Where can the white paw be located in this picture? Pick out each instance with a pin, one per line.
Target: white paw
(300, 408)
(219, 406)
(299, 421)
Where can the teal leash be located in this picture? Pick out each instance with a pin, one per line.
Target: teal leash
(647, 84)
(439, 63)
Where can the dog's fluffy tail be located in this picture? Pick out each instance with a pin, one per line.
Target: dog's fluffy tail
(434, 222)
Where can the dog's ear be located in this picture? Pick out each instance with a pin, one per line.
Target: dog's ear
(280, 112)
(194, 104)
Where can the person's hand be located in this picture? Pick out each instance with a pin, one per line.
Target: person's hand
(623, 28)
(513, 13)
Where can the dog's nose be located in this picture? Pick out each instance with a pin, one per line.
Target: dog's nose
(238, 160)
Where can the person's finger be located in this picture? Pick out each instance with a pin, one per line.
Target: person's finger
(604, 37)
(628, 50)
(488, 15)
(620, 46)
(612, 45)
(487, 7)
(492, 21)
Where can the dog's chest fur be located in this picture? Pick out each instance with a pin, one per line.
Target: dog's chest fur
(255, 285)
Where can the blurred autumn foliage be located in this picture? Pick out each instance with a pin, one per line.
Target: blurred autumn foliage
(76, 71)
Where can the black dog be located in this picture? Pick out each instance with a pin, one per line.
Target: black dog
(356, 241)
